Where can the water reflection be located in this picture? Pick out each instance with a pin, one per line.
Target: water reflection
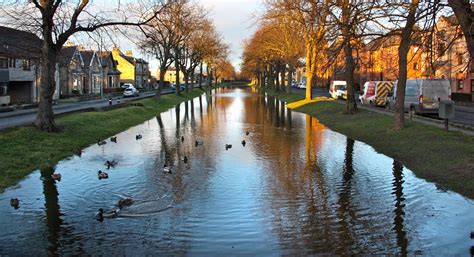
(398, 181)
(296, 188)
(53, 212)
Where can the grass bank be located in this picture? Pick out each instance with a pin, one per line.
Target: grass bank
(25, 149)
(431, 153)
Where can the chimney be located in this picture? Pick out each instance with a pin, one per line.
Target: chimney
(129, 53)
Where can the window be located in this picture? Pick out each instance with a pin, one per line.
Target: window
(12, 63)
(3, 63)
(415, 66)
(26, 65)
(3, 90)
(460, 85)
(459, 58)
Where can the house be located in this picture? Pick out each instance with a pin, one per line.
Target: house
(170, 75)
(19, 55)
(132, 70)
(451, 57)
(93, 71)
(70, 74)
(110, 73)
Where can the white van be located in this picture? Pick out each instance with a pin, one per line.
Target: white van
(423, 95)
(375, 93)
(338, 89)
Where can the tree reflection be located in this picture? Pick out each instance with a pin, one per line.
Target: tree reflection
(398, 181)
(345, 211)
(53, 212)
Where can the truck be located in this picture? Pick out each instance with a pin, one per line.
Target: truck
(338, 89)
(375, 93)
(423, 96)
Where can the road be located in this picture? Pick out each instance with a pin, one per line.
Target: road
(24, 117)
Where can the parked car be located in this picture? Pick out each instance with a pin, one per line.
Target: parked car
(338, 89)
(294, 84)
(126, 85)
(131, 91)
(423, 95)
(302, 85)
(173, 87)
(375, 93)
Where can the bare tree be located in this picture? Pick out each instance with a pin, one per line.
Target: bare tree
(57, 21)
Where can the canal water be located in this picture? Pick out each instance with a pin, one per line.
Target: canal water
(295, 188)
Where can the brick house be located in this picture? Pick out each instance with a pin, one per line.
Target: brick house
(110, 73)
(71, 77)
(93, 70)
(132, 70)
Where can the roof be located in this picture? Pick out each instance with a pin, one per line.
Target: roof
(105, 56)
(87, 57)
(17, 43)
(66, 54)
(128, 58)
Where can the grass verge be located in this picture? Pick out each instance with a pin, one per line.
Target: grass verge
(445, 158)
(25, 149)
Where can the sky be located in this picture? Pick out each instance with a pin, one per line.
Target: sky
(234, 19)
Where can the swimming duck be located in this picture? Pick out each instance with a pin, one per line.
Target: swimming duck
(185, 159)
(125, 202)
(113, 139)
(78, 152)
(99, 142)
(102, 175)
(101, 215)
(244, 143)
(166, 169)
(247, 133)
(227, 146)
(15, 203)
(472, 235)
(56, 176)
(198, 143)
(110, 164)
(182, 139)
(138, 137)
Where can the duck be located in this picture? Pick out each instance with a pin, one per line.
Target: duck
(113, 139)
(124, 202)
(56, 176)
(227, 146)
(138, 137)
(15, 203)
(198, 143)
(78, 152)
(166, 169)
(99, 142)
(110, 164)
(102, 175)
(244, 143)
(185, 159)
(472, 235)
(247, 133)
(182, 138)
(101, 215)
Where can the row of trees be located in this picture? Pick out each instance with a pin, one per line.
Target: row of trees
(178, 31)
(314, 32)
(184, 36)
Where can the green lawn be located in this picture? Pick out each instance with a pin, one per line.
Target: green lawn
(25, 149)
(446, 158)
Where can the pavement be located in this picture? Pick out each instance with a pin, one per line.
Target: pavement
(27, 116)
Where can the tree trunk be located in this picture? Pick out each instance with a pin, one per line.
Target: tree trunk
(465, 16)
(209, 77)
(310, 66)
(186, 82)
(200, 76)
(402, 64)
(45, 117)
(192, 78)
(282, 77)
(161, 85)
(351, 104)
(290, 79)
(176, 64)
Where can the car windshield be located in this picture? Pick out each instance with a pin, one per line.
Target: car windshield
(128, 89)
(340, 87)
